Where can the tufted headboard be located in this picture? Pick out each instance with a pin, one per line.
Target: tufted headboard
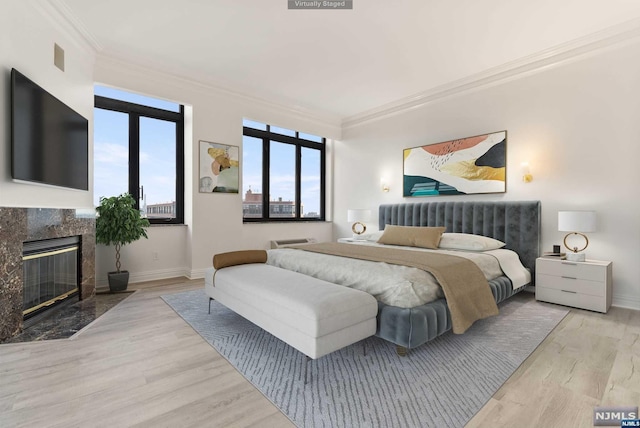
(515, 223)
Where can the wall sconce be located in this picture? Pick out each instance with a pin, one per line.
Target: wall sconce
(384, 184)
(526, 172)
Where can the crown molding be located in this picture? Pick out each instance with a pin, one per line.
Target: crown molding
(570, 51)
(118, 63)
(59, 14)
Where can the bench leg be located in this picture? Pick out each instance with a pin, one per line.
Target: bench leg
(401, 351)
(307, 360)
(210, 299)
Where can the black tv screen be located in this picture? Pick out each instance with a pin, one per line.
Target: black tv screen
(49, 140)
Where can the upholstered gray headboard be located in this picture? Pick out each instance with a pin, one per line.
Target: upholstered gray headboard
(515, 223)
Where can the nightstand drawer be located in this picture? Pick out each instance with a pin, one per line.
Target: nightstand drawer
(584, 301)
(591, 272)
(572, 284)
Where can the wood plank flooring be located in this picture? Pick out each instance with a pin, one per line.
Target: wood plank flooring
(141, 365)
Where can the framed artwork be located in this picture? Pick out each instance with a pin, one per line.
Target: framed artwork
(219, 168)
(458, 167)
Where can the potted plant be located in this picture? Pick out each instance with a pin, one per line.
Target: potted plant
(119, 223)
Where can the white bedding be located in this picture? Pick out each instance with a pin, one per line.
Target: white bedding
(395, 285)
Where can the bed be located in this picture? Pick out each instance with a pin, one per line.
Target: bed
(517, 224)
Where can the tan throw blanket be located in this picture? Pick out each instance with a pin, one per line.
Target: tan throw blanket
(467, 291)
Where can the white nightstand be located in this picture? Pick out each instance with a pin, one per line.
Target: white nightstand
(585, 285)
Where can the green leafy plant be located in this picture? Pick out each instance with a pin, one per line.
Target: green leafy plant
(119, 223)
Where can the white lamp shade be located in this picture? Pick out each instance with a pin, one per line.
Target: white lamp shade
(577, 221)
(358, 215)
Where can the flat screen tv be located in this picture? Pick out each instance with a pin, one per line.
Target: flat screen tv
(49, 140)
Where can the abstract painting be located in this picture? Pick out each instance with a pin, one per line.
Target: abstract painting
(457, 167)
(219, 168)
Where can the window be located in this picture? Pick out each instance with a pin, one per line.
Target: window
(139, 149)
(284, 170)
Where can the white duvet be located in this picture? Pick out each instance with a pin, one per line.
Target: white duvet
(394, 285)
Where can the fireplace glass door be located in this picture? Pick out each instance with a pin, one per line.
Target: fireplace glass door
(50, 273)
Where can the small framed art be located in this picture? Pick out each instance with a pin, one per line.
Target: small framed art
(219, 168)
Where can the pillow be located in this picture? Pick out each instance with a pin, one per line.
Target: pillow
(468, 242)
(412, 236)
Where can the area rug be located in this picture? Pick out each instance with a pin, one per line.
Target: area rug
(441, 384)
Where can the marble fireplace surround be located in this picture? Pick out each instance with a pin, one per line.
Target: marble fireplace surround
(18, 225)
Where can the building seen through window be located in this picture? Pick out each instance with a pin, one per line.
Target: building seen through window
(252, 207)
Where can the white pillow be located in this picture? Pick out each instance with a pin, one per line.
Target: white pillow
(468, 242)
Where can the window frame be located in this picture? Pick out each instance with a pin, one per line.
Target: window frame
(298, 142)
(135, 112)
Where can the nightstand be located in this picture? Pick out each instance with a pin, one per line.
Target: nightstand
(585, 285)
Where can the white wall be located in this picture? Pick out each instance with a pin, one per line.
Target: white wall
(163, 255)
(213, 221)
(27, 37)
(578, 125)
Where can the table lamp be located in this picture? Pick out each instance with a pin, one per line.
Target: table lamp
(358, 217)
(576, 223)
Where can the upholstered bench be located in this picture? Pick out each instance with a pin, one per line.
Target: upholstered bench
(314, 316)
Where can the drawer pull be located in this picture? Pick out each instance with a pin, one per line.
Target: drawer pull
(568, 277)
(570, 264)
(567, 291)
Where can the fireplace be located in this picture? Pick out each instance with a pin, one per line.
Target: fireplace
(22, 226)
(50, 273)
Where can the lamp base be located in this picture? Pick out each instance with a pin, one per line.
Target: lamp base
(576, 257)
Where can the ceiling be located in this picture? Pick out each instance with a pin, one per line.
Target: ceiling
(337, 62)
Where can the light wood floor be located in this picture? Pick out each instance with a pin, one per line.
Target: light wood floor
(141, 365)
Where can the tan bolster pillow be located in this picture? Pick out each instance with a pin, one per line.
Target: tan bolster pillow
(412, 236)
(234, 258)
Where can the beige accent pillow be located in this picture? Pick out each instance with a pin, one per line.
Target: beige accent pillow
(412, 236)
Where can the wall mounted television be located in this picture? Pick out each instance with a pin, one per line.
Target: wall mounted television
(49, 140)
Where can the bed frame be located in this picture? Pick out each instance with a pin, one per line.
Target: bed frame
(515, 223)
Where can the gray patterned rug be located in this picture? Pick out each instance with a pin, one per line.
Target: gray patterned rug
(441, 384)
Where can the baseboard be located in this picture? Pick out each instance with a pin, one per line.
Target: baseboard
(196, 273)
(148, 276)
(626, 301)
